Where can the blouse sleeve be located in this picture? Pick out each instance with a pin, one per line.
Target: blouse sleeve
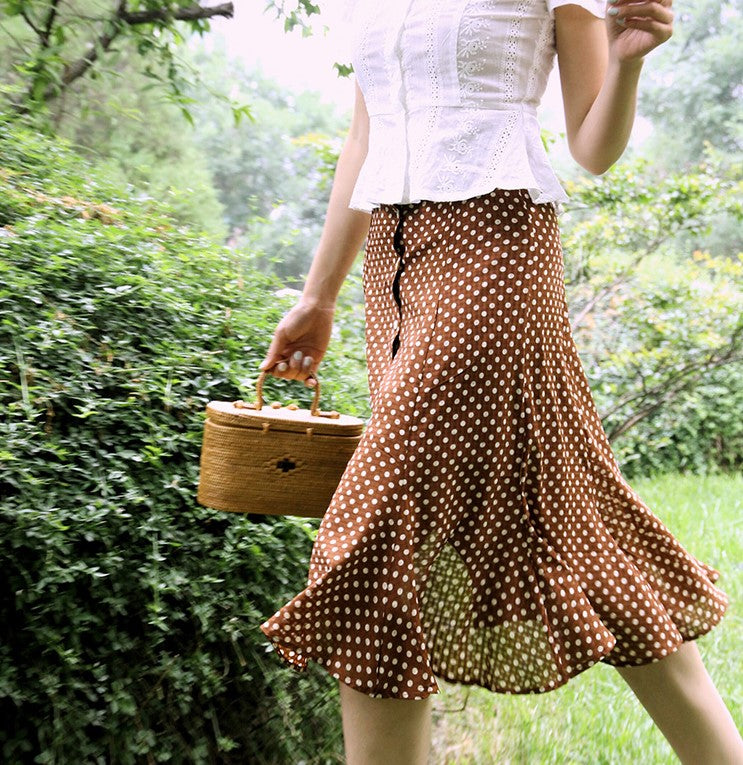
(596, 7)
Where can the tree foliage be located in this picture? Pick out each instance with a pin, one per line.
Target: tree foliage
(54, 44)
(691, 89)
(120, 123)
(658, 320)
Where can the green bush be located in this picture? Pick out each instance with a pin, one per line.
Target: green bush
(129, 615)
(667, 377)
(701, 432)
(656, 312)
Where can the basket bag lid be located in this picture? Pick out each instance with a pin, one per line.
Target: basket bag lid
(275, 416)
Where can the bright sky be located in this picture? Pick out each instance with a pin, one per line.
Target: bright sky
(299, 63)
(306, 63)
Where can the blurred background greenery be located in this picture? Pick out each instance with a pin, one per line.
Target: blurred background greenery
(153, 230)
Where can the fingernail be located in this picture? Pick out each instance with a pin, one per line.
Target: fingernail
(613, 11)
(298, 355)
(307, 361)
(283, 366)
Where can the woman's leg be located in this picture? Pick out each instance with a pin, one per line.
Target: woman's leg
(681, 698)
(385, 731)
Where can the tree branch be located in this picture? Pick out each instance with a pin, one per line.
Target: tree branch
(669, 394)
(78, 68)
(30, 22)
(668, 389)
(47, 31)
(623, 275)
(121, 17)
(192, 13)
(658, 388)
(620, 279)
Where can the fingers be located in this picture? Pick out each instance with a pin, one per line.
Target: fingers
(660, 30)
(649, 23)
(298, 344)
(653, 14)
(297, 366)
(631, 6)
(274, 354)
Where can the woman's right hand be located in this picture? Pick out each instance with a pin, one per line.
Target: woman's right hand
(299, 342)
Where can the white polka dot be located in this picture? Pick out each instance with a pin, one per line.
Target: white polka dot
(482, 531)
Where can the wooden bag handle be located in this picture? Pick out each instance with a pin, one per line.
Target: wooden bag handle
(314, 407)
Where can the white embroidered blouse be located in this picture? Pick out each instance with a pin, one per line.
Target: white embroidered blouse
(452, 89)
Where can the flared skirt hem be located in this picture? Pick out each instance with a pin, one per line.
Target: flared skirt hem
(299, 663)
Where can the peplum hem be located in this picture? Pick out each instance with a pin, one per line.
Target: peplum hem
(495, 148)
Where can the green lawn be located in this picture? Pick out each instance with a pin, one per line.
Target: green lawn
(595, 718)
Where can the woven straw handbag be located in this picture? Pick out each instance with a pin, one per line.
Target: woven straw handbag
(274, 459)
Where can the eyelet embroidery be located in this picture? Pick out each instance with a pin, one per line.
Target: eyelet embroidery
(433, 13)
(496, 156)
(470, 44)
(512, 43)
(452, 68)
(543, 56)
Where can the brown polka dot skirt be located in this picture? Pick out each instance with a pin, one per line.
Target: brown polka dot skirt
(482, 531)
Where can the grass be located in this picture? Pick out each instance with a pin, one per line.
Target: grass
(595, 718)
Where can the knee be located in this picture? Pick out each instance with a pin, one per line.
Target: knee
(681, 670)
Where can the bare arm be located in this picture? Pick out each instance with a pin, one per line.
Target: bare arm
(600, 62)
(302, 336)
(344, 230)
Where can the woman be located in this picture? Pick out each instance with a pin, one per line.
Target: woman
(482, 530)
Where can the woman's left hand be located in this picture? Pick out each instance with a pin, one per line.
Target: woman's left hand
(635, 28)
